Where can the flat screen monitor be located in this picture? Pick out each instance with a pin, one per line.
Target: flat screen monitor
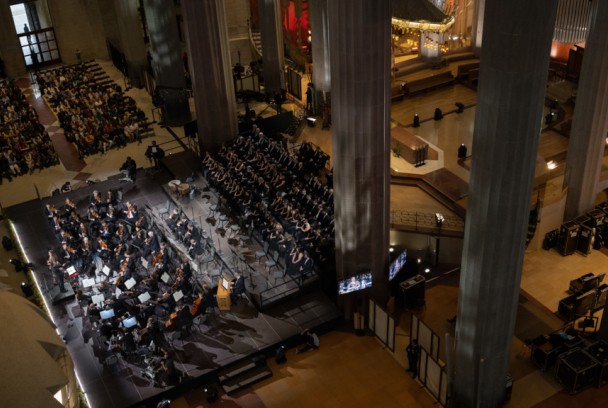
(355, 283)
(106, 314)
(397, 265)
(129, 322)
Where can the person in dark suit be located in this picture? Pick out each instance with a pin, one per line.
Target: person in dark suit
(155, 153)
(238, 287)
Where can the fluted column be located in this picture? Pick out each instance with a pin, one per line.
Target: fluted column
(212, 83)
(477, 26)
(167, 63)
(512, 81)
(321, 72)
(590, 122)
(273, 55)
(10, 49)
(132, 40)
(359, 40)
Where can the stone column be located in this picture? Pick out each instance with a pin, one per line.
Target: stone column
(360, 54)
(209, 54)
(273, 56)
(10, 49)
(590, 122)
(132, 40)
(477, 26)
(167, 63)
(321, 75)
(512, 81)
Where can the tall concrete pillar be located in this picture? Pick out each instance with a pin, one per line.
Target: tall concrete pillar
(477, 26)
(590, 122)
(132, 40)
(273, 55)
(165, 48)
(512, 81)
(212, 83)
(360, 54)
(10, 49)
(321, 72)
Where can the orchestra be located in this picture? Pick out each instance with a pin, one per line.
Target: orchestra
(142, 288)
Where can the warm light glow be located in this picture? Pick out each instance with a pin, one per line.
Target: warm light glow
(427, 270)
(551, 165)
(391, 249)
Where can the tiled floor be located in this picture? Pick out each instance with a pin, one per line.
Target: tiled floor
(357, 371)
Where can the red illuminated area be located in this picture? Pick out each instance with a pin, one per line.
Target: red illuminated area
(297, 25)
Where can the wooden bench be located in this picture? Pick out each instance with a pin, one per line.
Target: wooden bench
(409, 88)
(463, 71)
(429, 83)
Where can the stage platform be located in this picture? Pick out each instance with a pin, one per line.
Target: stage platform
(217, 340)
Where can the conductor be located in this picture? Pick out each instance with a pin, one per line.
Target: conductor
(155, 153)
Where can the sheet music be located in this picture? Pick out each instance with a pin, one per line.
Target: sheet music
(144, 263)
(117, 292)
(71, 270)
(165, 277)
(98, 299)
(178, 295)
(130, 283)
(87, 283)
(144, 297)
(106, 270)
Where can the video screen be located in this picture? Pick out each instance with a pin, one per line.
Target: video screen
(106, 314)
(396, 265)
(354, 283)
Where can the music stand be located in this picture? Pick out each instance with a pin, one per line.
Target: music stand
(178, 295)
(98, 299)
(106, 314)
(117, 293)
(144, 263)
(106, 271)
(165, 277)
(130, 283)
(87, 283)
(144, 297)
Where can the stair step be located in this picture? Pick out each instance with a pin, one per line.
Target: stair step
(253, 376)
(239, 368)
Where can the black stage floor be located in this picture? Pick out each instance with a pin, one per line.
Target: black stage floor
(221, 339)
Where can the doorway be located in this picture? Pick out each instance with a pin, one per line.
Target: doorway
(36, 34)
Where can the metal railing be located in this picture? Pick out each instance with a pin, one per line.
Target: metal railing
(425, 222)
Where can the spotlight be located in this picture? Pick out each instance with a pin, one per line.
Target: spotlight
(460, 107)
(311, 121)
(391, 249)
(26, 288)
(19, 266)
(438, 114)
(419, 260)
(462, 151)
(212, 394)
(551, 165)
(416, 121)
(427, 270)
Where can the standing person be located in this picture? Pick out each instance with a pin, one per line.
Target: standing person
(155, 153)
(413, 353)
(309, 97)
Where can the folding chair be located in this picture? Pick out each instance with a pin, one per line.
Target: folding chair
(162, 211)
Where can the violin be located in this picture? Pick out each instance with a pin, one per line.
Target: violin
(157, 258)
